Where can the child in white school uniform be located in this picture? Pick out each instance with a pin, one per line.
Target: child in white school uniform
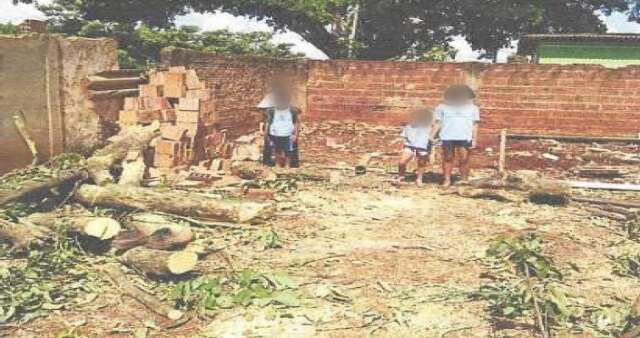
(457, 123)
(417, 143)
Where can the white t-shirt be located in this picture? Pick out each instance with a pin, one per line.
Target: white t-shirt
(416, 136)
(282, 124)
(457, 121)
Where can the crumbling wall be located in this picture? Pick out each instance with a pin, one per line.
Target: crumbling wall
(82, 120)
(239, 83)
(41, 75)
(29, 74)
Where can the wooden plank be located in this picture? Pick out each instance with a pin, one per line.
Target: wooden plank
(100, 83)
(602, 201)
(574, 138)
(602, 185)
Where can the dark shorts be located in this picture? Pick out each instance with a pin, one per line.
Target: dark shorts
(280, 143)
(456, 144)
(421, 152)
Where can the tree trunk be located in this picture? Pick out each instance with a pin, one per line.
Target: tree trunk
(158, 263)
(134, 138)
(34, 187)
(173, 202)
(155, 232)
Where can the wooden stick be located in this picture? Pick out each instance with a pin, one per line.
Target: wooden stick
(503, 149)
(21, 124)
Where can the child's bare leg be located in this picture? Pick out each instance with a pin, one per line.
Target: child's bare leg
(422, 164)
(448, 155)
(463, 155)
(405, 158)
(281, 158)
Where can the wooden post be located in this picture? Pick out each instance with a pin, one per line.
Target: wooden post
(503, 150)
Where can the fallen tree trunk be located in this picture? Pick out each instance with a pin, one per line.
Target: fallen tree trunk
(128, 288)
(134, 138)
(155, 232)
(103, 228)
(21, 236)
(35, 187)
(172, 202)
(158, 263)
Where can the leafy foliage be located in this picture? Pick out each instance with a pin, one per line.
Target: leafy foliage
(527, 279)
(245, 288)
(271, 239)
(8, 28)
(47, 281)
(385, 29)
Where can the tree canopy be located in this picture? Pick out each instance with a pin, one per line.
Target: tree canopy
(368, 29)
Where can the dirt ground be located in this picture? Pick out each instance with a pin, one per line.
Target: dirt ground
(375, 260)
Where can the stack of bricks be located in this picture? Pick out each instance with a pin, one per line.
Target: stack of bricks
(186, 109)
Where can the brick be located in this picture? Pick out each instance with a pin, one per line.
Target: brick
(148, 90)
(168, 147)
(157, 78)
(131, 103)
(173, 133)
(154, 103)
(192, 128)
(174, 85)
(188, 116)
(191, 80)
(168, 115)
(164, 161)
(202, 94)
(189, 104)
(128, 117)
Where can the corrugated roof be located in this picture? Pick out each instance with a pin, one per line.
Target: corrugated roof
(529, 42)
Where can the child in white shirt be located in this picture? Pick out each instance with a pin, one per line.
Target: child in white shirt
(281, 126)
(417, 143)
(457, 122)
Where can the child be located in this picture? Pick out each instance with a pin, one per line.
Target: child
(457, 122)
(417, 144)
(281, 127)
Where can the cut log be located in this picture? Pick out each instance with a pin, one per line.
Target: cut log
(121, 281)
(34, 187)
(22, 236)
(155, 232)
(172, 202)
(158, 263)
(134, 138)
(133, 172)
(103, 228)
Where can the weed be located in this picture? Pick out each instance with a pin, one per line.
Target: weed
(270, 239)
(245, 288)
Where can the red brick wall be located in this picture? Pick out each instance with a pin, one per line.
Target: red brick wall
(239, 83)
(546, 99)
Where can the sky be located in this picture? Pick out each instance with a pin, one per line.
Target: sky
(616, 23)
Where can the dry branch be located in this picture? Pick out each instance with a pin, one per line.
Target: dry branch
(21, 124)
(172, 202)
(128, 288)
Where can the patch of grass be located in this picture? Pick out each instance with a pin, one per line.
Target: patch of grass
(270, 239)
(627, 265)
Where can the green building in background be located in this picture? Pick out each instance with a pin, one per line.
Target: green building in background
(609, 50)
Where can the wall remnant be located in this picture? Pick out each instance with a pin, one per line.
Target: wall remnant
(42, 76)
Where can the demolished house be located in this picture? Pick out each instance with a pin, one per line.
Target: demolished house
(148, 185)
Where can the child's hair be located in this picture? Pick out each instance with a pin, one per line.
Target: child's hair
(422, 114)
(459, 93)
